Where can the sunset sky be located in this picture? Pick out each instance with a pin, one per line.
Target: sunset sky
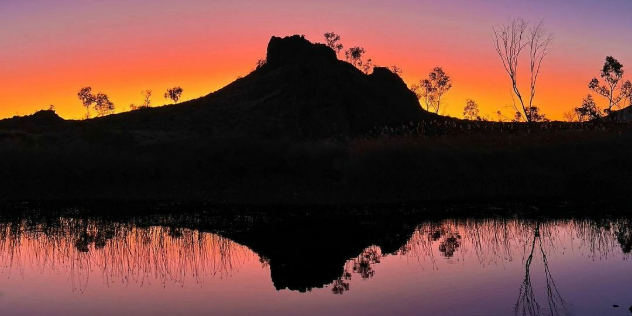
(50, 49)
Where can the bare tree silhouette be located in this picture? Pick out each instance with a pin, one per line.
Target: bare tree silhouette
(510, 40)
(527, 303)
(146, 103)
(147, 95)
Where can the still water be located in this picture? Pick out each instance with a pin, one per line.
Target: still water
(243, 265)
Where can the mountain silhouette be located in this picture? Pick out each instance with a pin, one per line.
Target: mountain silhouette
(310, 252)
(303, 91)
(304, 249)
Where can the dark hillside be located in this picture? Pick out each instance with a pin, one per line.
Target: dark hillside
(303, 91)
(39, 122)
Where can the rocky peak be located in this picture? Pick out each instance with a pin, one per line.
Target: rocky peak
(296, 49)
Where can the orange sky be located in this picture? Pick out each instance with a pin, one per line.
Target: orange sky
(51, 50)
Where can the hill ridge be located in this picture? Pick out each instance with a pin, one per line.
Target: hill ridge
(303, 92)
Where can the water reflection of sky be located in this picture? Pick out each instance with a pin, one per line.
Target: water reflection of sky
(446, 268)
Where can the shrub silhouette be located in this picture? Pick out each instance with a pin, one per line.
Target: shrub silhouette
(354, 56)
(588, 111)
(174, 94)
(470, 112)
(332, 40)
(146, 103)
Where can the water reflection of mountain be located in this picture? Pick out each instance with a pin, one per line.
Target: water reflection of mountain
(310, 252)
(302, 252)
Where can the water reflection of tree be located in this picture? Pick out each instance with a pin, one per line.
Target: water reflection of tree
(363, 265)
(527, 303)
(497, 241)
(624, 236)
(137, 253)
(450, 244)
(121, 252)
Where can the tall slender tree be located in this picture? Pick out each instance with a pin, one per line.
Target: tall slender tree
(147, 95)
(510, 40)
(87, 99)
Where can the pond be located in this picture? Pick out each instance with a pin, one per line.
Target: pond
(245, 263)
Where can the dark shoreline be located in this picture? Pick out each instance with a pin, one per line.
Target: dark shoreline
(523, 208)
(391, 170)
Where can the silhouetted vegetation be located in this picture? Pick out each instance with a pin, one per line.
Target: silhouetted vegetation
(87, 99)
(260, 63)
(367, 67)
(510, 40)
(396, 70)
(101, 102)
(355, 139)
(103, 105)
(470, 111)
(321, 169)
(432, 89)
(174, 244)
(333, 41)
(146, 102)
(570, 116)
(614, 89)
(534, 115)
(588, 111)
(527, 303)
(354, 56)
(174, 94)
